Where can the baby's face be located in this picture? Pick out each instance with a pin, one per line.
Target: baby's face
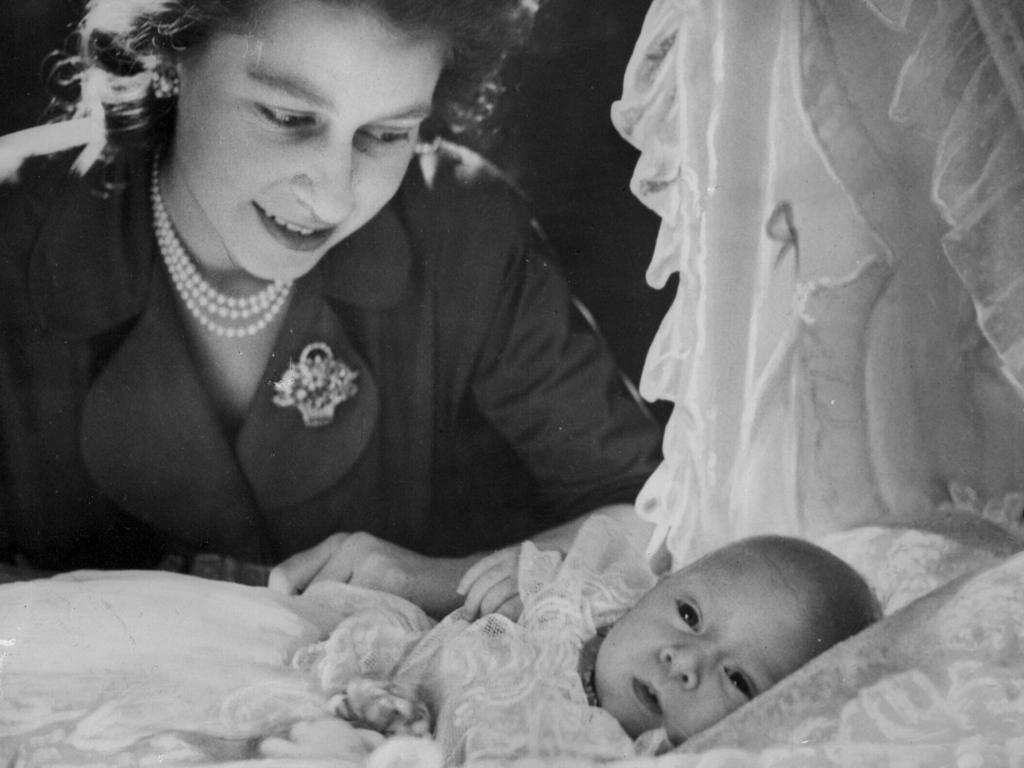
(703, 642)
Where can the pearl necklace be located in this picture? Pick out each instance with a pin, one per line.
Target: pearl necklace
(251, 314)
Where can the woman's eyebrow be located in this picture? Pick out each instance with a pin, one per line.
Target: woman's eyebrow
(304, 90)
(292, 84)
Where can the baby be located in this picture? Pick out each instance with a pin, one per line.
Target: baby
(713, 635)
(605, 661)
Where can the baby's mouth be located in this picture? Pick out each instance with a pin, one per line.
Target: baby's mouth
(647, 696)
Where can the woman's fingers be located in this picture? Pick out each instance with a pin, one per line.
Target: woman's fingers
(481, 588)
(491, 581)
(502, 598)
(511, 608)
(484, 564)
(498, 595)
(504, 560)
(298, 571)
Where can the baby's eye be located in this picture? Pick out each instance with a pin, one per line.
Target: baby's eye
(741, 682)
(688, 614)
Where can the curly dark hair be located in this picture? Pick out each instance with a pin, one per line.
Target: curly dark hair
(123, 44)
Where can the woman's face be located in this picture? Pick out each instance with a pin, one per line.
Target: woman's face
(292, 137)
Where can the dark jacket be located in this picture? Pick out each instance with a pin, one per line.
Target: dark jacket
(488, 408)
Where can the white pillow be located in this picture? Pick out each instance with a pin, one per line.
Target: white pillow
(904, 561)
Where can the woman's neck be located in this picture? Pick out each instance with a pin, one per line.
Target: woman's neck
(212, 259)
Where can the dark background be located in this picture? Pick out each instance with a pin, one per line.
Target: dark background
(555, 138)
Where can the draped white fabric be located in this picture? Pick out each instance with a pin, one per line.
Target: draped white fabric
(841, 189)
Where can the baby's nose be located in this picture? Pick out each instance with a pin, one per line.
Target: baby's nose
(683, 663)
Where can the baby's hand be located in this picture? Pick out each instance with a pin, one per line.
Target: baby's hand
(383, 706)
(491, 585)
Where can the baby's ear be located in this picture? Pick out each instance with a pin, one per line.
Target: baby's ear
(16, 148)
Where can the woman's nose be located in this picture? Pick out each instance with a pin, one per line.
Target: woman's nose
(326, 191)
(684, 664)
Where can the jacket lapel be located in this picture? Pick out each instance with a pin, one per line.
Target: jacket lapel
(286, 461)
(152, 442)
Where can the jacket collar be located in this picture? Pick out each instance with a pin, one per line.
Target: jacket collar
(90, 269)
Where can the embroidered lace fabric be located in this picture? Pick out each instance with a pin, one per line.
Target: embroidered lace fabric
(499, 689)
(155, 667)
(901, 564)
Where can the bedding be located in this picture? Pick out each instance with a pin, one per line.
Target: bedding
(939, 682)
(163, 669)
(905, 561)
(155, 666)
(138, 668)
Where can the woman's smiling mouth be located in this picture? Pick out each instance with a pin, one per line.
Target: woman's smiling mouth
(291, 235)
(646, 696)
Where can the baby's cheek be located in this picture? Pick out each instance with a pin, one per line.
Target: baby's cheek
(686, 718)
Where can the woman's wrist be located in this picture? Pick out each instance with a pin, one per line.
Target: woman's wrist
(437, 592)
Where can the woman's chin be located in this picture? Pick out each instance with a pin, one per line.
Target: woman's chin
(281, 266)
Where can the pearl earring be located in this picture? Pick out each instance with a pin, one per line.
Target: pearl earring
(166, 84)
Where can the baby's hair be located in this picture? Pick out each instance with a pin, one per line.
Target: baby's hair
(123, 45)
(839, 600)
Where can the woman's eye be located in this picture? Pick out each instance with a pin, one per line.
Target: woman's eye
(689, 615)
(282, 118)
(739, 680)
(387, 137)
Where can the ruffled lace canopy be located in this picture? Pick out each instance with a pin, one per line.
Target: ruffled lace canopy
(841, 187)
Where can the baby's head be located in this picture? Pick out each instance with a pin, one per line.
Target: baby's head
(713, 635)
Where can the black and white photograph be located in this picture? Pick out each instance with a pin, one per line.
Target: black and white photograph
(519, 383)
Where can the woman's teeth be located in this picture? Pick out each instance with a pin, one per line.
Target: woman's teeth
(291, 227)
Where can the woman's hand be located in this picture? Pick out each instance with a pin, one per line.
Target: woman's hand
(364, 560)
(491, 585)
(438, 585)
